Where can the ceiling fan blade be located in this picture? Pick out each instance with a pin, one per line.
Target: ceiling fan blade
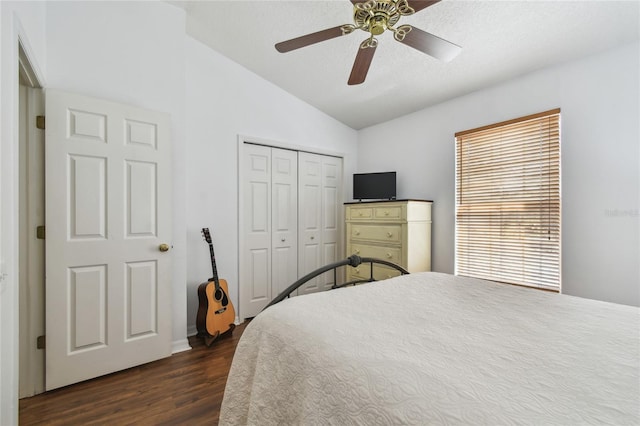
(362, 62)
(427, 43)
(418, 5)
(306, 40)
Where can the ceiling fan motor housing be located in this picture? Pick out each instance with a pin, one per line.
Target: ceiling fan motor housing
(376, 17)
(377, 25)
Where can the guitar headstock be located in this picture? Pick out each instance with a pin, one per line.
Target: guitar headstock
(206, 235)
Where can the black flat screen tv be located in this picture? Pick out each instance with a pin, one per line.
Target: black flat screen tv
(374, 186)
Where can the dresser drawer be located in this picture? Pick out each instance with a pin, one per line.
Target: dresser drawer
(363, 271)
(390, 254)
(356, 213)
(384, 233)
(388, 212)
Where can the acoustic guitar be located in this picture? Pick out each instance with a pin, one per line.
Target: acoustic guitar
(215, 315)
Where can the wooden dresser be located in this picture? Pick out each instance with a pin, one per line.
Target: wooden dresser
(398, 231)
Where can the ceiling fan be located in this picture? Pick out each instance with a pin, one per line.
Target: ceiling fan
(376, 17)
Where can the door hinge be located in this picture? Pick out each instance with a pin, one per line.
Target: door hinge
(40, 342)
(40, 232)
(40, 122)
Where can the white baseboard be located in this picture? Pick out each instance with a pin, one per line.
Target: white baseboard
(180, 346)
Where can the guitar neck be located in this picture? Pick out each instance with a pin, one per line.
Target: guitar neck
(213, 267)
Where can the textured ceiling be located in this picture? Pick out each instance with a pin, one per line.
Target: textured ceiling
(500, 40)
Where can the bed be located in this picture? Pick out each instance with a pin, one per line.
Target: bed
(432, 348)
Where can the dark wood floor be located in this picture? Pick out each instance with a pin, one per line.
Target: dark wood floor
(185, 388)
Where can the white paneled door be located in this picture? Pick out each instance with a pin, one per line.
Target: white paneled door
(290, 221)
(320, 213)
(108, 232)
(255, 243)
(310, 225)
(284, 222)
(269, 217)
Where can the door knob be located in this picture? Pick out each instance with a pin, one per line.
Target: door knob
(163, 247)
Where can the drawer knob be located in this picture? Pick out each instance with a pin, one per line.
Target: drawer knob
(357, 232)
(389, 234)
(357, 271)
(357, 251)
(386, 213)
(359, 213)
(389, 256)
(313, 238)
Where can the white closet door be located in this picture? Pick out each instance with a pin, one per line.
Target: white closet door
(332, 219)
(320, 189)
(255, 243)
(284, 229)
(290, 219)
(310, 218)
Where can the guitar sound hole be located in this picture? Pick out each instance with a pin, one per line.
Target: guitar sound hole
(221, 297)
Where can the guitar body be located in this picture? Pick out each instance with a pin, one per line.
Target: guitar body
(215, 315)
(220, 312)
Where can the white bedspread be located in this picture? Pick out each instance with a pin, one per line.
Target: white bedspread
(431, 348)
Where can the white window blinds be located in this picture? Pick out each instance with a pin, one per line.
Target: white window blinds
(508, 201)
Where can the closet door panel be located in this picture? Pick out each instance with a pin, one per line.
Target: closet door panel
(331, 215)
(255, 244)
(320, 187)
(310, 214)
(284, 229)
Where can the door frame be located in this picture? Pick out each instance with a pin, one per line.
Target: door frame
(252, 140)
(17, 54)
(31, 249)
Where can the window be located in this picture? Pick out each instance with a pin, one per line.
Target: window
(508, 201)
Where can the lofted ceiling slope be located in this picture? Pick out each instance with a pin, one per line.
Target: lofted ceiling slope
(500, 40)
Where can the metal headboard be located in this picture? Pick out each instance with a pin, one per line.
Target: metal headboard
(352, 261)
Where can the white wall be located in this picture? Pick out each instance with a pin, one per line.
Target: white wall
(25, 22)
(224, 101)
(599, 97)
(129, 52)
